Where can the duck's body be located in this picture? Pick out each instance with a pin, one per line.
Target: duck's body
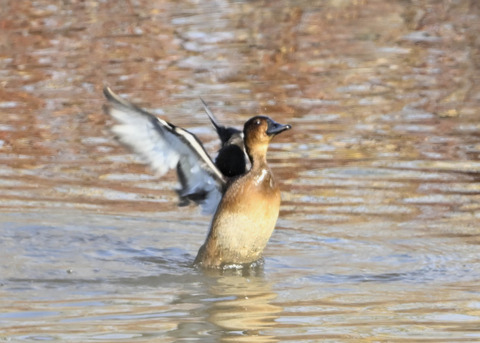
(248, 204)
(243, 222)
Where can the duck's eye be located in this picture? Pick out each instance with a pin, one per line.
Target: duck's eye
(257, 122)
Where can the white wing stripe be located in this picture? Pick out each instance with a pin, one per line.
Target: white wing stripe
(200, 150)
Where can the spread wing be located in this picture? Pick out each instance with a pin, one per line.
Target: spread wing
(232, 159)
(165, 146)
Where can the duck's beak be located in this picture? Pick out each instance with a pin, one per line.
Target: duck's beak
(275, 128)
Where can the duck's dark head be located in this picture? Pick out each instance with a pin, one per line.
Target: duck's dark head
(259, 131)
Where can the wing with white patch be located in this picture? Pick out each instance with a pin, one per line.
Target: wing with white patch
(164, 146)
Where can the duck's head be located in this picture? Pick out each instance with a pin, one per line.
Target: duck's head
(259, 131)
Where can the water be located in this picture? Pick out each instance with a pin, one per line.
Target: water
(378, 238)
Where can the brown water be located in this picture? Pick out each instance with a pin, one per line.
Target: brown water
(379, 235)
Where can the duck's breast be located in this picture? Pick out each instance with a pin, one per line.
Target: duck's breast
(246, 217)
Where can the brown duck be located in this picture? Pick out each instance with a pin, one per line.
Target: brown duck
(246, 203)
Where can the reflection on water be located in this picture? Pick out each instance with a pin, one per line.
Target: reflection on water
(378, 237)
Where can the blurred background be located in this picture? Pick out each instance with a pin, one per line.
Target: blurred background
(378, 238)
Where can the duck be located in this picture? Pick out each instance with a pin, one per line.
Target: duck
(238, 188)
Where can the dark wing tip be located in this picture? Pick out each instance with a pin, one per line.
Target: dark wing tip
(114, 98)
(223, 132)
(210, 115)
(109, 94)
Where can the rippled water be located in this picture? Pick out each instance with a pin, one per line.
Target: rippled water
(379, 235)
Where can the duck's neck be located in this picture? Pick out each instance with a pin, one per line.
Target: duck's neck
(261, 173)
(258, 158)
(257, 155)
